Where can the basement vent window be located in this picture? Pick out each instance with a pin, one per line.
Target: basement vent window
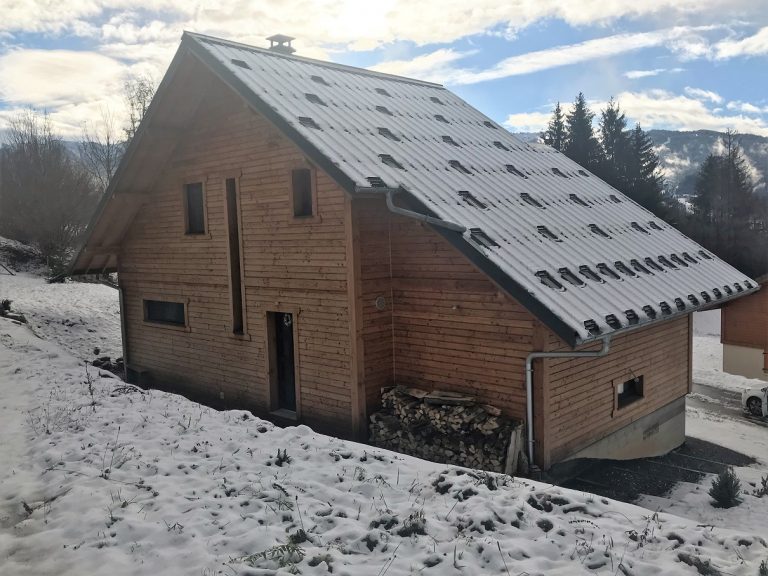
(164, 312)
(376, 182)
(632, 317)
(623, 268)
(639, 267)
(667, 263)
(456, 165)
(387, 133)
(547, 279)
(595, 229)
(680, 304)
(654, 226)
(693, 300)
(607, 271)
(547, 233)
(240, 63)
(308, 122)
(315, 99)
(320, 80)
(615, 199)
(384, 110)
(653, 266)
(666, 309)
(437, 100)
(471, 199)
(629, 392)
(689, 258)
(728, 290)
(584, 173)
(557, 172)
(677, 260)
(500, 146)
(481, 238)
(649, 311)
(512, 170)
(528, 199)
(738, 287)
(383, 92)
(705, 255)
(639, 228)
(489, 124)
(587, 272)
(576, 199)
(706, 297)
(391, 162)
(570, 277)
(612, 321)
(441, 118)
(717, 293)
(451, 141)
(592, 327)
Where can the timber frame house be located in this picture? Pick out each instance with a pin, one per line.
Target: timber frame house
(292, 235)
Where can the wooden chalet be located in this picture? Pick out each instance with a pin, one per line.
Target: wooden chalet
(292, 236)
(744, 334)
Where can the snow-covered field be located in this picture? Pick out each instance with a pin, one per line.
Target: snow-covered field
(108, 478)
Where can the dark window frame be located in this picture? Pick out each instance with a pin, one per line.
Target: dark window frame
(153, 314)
(630, 391)
(303, 207)
(188, 224)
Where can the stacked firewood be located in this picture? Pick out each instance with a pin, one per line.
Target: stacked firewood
(442, 427)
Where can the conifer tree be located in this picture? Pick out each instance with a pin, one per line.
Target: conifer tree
(581, 145)
(644, 183)
(555, 134)
(616, 147)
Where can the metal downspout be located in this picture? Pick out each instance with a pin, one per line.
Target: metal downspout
(390, 193)
(529, 381)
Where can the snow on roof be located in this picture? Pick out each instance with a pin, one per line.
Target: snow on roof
(592, 257)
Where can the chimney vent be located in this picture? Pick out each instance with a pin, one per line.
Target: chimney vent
(281, 43)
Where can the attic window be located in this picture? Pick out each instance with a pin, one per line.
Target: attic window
(489, 124)
(557, 172)
(456, 165)
(384, 110)
(587, 272)
(470, 199)
(592, 327)
(649, 311)
(512, 170)
(584, 173)
(320, 80)
(308, 122)
(387, 133)
(607, 271)
(728, 290)
(623, 268)
(547, 279)
(437, 100)
(577, 200)
(654, 225)
(639, 267)
(482, 238)
(612, 321)
(391, 162)
(500, 146)
(706, 297)
(595, 229)
(677, 260)
(738, 287)
(689, 258)
(680, 304)
(528, 199)
(705, 255)
(441, 118)
(241, 63)
(302, 185)
(383, 92)
(693, 300)
(653, 266)
(570, 277)
(194, 208)
(315, 99)
(632, 317)
(667, 263)
(717, 293)
(666, 310)
(615, 199)
(451, 141)
(547, 233)
(376, 182)
(639, 228)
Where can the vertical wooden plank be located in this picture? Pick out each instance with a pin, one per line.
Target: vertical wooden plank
(541, 398)
(354, 290)
(690, 353)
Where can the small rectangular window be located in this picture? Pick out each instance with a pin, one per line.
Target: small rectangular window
(194, 205)
(301, 181)
(164, 312)
(629, 391)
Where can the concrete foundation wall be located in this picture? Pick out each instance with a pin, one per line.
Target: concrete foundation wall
(744, 361)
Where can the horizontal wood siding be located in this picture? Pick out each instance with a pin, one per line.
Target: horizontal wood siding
(581, 392)
(291, 265)
(745, 321)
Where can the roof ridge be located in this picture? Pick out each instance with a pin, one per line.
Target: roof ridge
(324, 63)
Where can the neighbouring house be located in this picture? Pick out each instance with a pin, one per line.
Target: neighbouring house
(744, 334)
(292, 236)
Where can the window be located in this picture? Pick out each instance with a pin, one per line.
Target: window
(301, 182)
(629, 391)
(235, 274)
(164, 312)
(195, 208)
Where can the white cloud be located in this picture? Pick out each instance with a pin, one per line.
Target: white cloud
(700, 94)
(746, 107)
(528, 121)
(430, 67)
(635, 74)
(754, 45)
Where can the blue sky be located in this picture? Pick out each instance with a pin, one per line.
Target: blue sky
(679, 64)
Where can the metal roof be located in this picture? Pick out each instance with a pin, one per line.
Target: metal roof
(567, 242)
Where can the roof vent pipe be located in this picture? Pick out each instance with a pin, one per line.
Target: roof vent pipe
(281, 43)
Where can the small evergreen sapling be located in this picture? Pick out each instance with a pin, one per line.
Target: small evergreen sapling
(726, 490)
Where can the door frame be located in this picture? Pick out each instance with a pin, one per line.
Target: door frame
(271, 362)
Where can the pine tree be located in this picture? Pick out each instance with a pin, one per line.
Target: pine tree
(615, 145)
(581, 145)
(555, 133)
(644, 183)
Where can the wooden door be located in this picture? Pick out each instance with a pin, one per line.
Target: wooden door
(284, 361)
